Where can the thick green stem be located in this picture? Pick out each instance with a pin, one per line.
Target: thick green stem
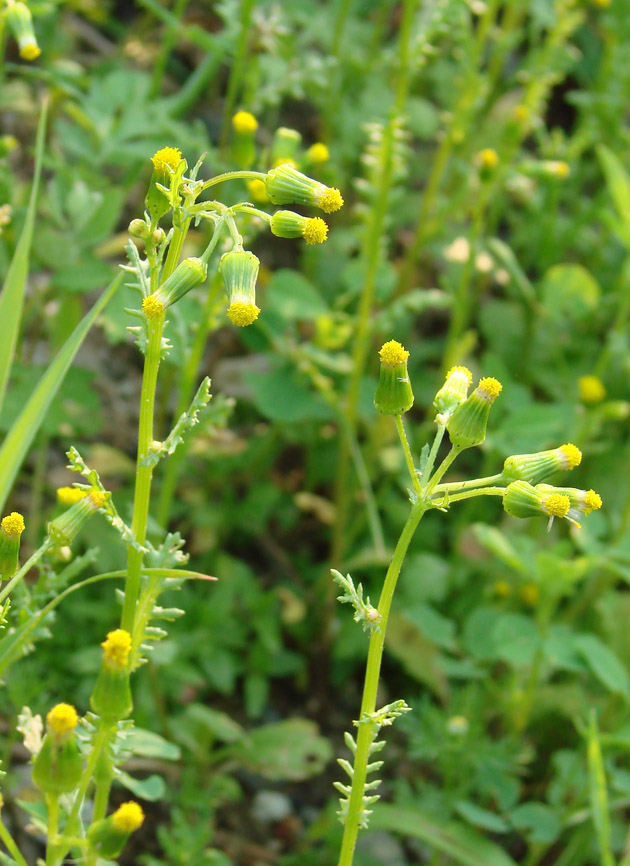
(456, 486)
(468, 494)
(52, 807)
(370, 688)
(10, 845)
(442, 469)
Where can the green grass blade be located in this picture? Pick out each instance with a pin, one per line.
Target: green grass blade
(19, 438)
(598, 792)
(12, 296)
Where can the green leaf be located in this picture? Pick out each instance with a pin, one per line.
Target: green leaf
(618, 183)
(151, 745)
(152, 788)
(12, 297)
(603, 663)
(462, 844)
(598, 792)
(570, 291)
(293, 297)
(291, 749)
(482, 817)
(18, 441)
(538, 820)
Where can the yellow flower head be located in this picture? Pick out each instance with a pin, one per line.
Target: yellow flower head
(62, 719)
(244, 123)
(559, 168)
(460, 373)
(128, 817)
(315, 231)
(257, 191)
(530, 594)
(116, 648)
(13, 524)
(330, 200)
(502, 588)
(592, 501)
(30, 51)
(318, 152)
(488, 158)
(152, 307)
(573, 455)
(392, 354)
(167, 157)
(556, 505)
(70, 495)
(489, 389)
(591, 389)
(521, 113)
(242, 314)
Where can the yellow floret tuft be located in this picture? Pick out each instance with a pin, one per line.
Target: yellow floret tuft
(460, 371)
(13, 524)
(98, 498)
(116, 648)
(244, 123)
(315, 231)
(243, 314)
(128, 817)
(556, 505)
(258, 191)
(30, 51)
(167, 157)
(592, 501)
(488, 158)
(70, 495)
(62, 719)
(152, 307)
(330, 200)
(572, 454)
(489, 388)
(591, 389)
(284, 160)
(560, 168)
(318, 152)
(392, 354)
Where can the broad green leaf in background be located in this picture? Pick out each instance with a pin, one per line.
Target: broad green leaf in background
(462, 844)
(603, 663)
(12, 296)
(291, 749)
(570, 291)
(618, 184)
(18, 440)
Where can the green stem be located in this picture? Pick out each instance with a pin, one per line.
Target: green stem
(234, 175)
(469, 494)
(400, 427)
(168, 43)
(52, 807)
(236, 73)
(10, 845)
(466, 485)
(439, 435)
(370, 688)
(442, 469)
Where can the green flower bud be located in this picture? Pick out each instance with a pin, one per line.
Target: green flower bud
(467, 425)
(454, 390)
(165, 161)
(186, 276)
(284, 147)
(58, 766)
(239, 269)
(139, 229)
(286, 224)
(521, 499)
(535, 467)
(108, 836)
(20, 22)
(11, 530)
(286, 185)
(65, 528)
(111, 696)
(393, 393)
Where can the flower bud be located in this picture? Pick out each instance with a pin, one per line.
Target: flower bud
(165, 161)
(111, 696)
(521, 499)
(109, 835)
(317, 153)
(138, 229)
(467, 425)
(487, 160)
(582, 502)
(20, 22)
(286, 224)
(58, 766)
(393, 393)
(239, 269)
(286, 185)
(454, 390)
(244, 125)
(65, 528)
(284, 147)
(11, 529)
(188, 274)
(535, 467)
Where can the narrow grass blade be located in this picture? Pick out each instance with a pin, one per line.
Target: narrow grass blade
(12, 296)
(19, 438)
(598, 793)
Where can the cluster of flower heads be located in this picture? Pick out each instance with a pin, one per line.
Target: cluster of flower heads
(283, 184)
(465, 417)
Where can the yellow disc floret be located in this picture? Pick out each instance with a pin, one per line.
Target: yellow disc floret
(244, 123)
(592, 501)
(128, 817)
(284, 160)
(489, 388)
(62, 719)
(116, 647)
(488, 158)
(152, 307)
(13, 524)
(167, 157)
(330, 200)
(243, 314)
(556, 505)
(315, 231)
(392, 354)
(30, 51)
(258, 191)
(318, 152)
(573, 455)
(98, 498)
(70, 495)
(460, 372)
(591, 389)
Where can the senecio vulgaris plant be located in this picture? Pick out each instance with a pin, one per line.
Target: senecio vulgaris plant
(524, 493)
(77, 757)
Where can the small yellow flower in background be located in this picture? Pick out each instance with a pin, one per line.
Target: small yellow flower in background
(167, 157)
(152, 307)
(284, 160)
(591, 389)
(603, 4)
(458, 251)
(128, 817)
(318, 153)
(257, 191)
(13, 524)
(457, 726)
(62, 719)
(244, 123)
(530, 594)
(484, 262)
(502, 589)
(487, 158)
(393, 353)
(116, 648)
(70, 495)
(521, 113)
(557, 168)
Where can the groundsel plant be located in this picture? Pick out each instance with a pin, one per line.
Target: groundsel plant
(524, 493)
(77, 759)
